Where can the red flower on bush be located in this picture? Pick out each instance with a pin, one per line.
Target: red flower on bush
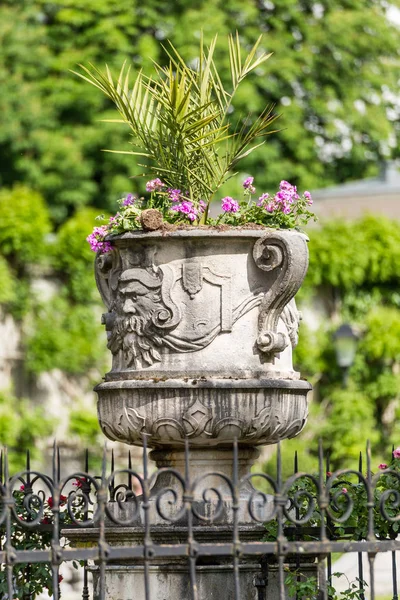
(79, 481)
(50, 501)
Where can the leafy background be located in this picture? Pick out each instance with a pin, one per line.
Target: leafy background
(333, 78)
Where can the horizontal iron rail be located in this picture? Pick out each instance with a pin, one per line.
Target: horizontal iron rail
(186, 550)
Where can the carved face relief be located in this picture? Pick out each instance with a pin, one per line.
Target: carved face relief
(141, 316)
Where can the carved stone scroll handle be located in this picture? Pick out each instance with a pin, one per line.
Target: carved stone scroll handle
(107, 269)
(287, 255)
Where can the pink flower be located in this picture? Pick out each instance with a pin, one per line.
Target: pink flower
(248, 185)
(174, 195)
(289, 189)
(155, 185)
(344, 490)
(22, 488)
(307, 196)
(328, 474)
(228, 204)
(396, 453)
(187, 208)
(96, 240)
(262, 199)
(382, 466)
(286, 196)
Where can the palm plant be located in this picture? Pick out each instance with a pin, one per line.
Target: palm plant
(181, 119)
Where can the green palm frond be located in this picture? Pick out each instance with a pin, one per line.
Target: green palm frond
(180, 119)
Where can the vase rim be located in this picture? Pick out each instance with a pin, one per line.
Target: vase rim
(202, 233)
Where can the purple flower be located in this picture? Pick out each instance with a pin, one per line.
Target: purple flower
(187, 208)
(262, 199)
(202, 206)
(286, 196)
(174, 195)
(382, 466)
(130, 199)
(248, 185)
(228, 204)
(96, 240)
(288, 192)
(308, 197)
(155, 185)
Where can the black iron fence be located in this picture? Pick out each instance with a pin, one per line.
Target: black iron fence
(307, 517)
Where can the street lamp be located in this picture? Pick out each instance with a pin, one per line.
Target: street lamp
(345, 343)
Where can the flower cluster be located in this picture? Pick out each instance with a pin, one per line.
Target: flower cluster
(228, 204)
(284, 209)
(130, 199)
(50, 500)
(155, 185)
(189, 210)
(186, 208)
(96, 240)
(174, 195)
(248, 185)
(284, 200)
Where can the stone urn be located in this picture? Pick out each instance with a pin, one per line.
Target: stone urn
(201, 325)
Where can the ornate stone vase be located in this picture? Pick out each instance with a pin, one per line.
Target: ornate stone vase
(201, 325)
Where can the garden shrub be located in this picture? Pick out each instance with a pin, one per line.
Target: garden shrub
(65, 336)
(7, 283)
(24, 225)
(21, 428)
(73, 259)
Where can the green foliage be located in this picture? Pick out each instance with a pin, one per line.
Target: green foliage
(382, 338)
(333, 77)
(372, 259)
(21, 428)
(312, 352)
(24, 224)
(180, 119)
(7, 283)
(85, 426)
(73, 259)
(354, 269)
(32, 579)
(349, 423)
(66, 337)
(304, 587)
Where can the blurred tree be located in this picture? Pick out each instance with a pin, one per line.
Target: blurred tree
(360, 282)
(333, 77)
